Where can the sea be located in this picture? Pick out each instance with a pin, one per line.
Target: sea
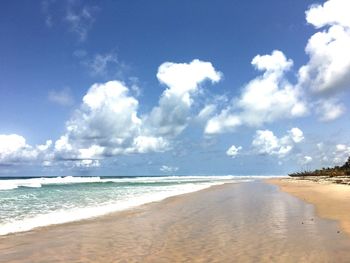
(28, 203)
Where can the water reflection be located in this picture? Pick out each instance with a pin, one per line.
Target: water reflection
(248, 222)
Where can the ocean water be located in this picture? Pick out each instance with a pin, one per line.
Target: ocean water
(26, 204)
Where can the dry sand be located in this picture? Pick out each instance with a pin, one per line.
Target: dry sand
(332, 201)
(247, 222)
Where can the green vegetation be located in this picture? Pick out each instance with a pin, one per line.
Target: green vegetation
(328, 172)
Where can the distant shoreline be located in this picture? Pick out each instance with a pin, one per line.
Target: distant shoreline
(339, 173)
(331, 198)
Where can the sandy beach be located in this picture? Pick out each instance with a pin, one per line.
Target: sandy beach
(244, 222)
(332, 201)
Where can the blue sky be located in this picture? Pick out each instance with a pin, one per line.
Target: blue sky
(173, 87)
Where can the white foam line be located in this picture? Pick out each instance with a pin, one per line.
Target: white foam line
(65, 216)
(39, 182)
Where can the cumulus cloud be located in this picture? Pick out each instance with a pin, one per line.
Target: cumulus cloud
(341, 154)
(223, 122)
(329, 153)
(107, 123)
(168, 169)
(329, 65)
(267, 98)
(183, 82)
(329, 109)
(332, 154)
(328, 68)
(296, 135)
(332, 12)
(265, 142)
(14, 149)
(144, 144)
(270, 96)
(62, 97)
(233, 151)
(327, 73)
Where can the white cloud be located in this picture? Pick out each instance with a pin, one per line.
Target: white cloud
(330, 153)
(93, 151)
(276, 63)
(62, 145)
(206, 112)
(100, 62)
(106, 123)
(144, 144)
(78, 16)
(80, 19)
(107, 66)
(233, 151)
(327, 72)
(332, 12)
(47, 163)
(265, 142)
(14, 149)
(341, 154)
(296, 135)
(183, 81)
(329, 65)
(44, 147)
(62, 97)
(305, 160)
(103, 64)
(267, 98)
(270, 97)
(134, 86)
(168, 169)
(223, 122)
(330, 109)
(328, 69)
(11, 143)
(87, 163)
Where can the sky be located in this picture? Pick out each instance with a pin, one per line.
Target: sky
(173, 87)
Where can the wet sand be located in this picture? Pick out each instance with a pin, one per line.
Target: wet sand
(246, 222)
(332, 201)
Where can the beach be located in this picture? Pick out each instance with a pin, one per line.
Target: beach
(332, 200)
(242, 222)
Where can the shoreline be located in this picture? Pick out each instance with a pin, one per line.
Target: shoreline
(115, 213)
(331, 200)
(250, 221)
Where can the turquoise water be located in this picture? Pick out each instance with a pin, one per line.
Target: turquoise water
(29, 203)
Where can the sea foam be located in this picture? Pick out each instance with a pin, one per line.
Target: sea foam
(65, 216)
(37, 202)
(38, 182)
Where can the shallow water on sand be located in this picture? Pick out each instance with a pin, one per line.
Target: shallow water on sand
(247, 222)
(28, 203)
